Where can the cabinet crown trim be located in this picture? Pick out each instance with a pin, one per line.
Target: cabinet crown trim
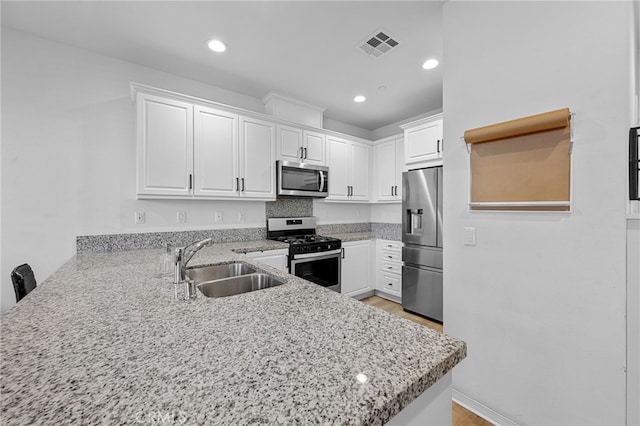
(136, 88)
(421, 121)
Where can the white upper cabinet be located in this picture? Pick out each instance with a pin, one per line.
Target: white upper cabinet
(216, 152)
(313, 145)
(301, 146)
(193, 150)
(337, 152)
(388, 166)
(359, 161)
(289, 141)
(348, 163)
(165, 146)
(423, 142)
(258, 157)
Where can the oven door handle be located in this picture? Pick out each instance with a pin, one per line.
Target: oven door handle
(315, 256)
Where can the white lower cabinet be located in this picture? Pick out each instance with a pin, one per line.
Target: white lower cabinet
(275, 258)
(389, 269)
(356, 267)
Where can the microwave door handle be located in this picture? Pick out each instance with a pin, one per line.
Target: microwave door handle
(321, 173)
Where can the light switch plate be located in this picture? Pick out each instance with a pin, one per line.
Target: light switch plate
(470, 236)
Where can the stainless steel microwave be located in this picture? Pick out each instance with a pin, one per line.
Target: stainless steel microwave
(302, 179)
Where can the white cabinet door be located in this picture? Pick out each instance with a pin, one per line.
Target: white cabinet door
(385, 170)
(275, 258)
(258, 156)
(337, 160)
(289, 143)
(216, 156)
(360, 160)
(313, 144)
(423, 142)
(389, 164)
(399, 168)
(165, 146)
(356, 268)
(349, 164)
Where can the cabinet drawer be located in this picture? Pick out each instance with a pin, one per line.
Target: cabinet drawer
(391, 256)
(391, 282)
(389, 267)
(391, 245)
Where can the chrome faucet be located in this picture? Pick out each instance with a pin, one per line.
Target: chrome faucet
(182, 258)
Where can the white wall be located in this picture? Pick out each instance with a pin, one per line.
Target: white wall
(329, 212)
(386, 213)
(68, 154)
(540, 300)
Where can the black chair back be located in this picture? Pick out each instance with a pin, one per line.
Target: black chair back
(23, 281)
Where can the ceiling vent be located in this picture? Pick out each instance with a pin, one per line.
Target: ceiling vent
(379, 43)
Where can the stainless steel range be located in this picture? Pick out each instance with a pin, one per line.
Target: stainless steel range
(313, 257)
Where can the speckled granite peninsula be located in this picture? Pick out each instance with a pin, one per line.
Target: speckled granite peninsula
(103, 341)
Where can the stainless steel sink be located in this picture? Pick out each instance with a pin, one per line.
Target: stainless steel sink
(238, 285)
(215, 272)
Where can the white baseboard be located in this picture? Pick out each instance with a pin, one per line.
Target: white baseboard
(481, 410)
(388, 296)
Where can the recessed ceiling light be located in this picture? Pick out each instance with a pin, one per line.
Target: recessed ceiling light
(430, 64)
(217, 46)
(359, 98)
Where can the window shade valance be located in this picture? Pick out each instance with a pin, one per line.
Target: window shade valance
(522, 126)
(522, 164)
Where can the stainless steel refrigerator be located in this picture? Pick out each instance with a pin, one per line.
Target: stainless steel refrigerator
(422, 237)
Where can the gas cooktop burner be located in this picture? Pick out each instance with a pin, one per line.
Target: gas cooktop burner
(305, 239)
(299, 233)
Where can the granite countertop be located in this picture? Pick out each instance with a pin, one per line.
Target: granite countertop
(353, 236)
(104, 340)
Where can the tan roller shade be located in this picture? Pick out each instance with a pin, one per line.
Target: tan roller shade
(522, 164)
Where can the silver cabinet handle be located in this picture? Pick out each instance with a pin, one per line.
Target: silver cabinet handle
(301, 153)
(396, 190)
(392, 190)
(242, 184)
(342, 252)
(305, 153)
(438, 146)
(237, 184)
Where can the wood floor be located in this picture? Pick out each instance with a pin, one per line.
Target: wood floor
(461, 416)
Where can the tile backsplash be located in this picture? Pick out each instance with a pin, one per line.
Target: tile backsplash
(289, 207)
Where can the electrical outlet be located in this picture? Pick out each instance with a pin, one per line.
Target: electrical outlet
(182, 217)
(217, 216)
(139, 218)
(242, 216)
